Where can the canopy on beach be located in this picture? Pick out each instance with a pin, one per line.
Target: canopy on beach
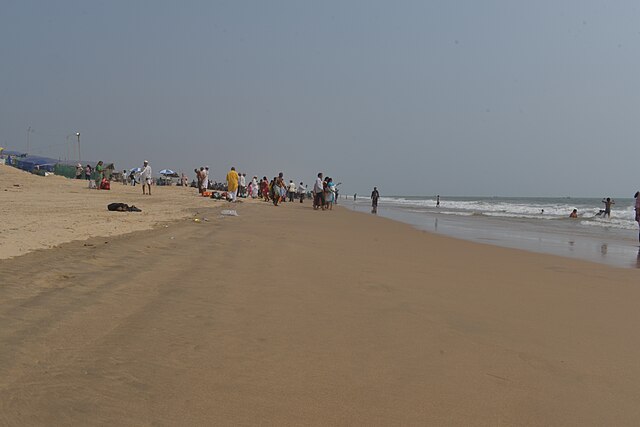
(168, 172)
(136, 170)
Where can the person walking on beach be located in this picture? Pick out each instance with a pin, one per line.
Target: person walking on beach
(607, 206)
(200, 176)
(87, 172)
(79, 171)
(301, 191)
(232, 184)
(374, 200)
(292, 190)
(243, 184)
(206, 178)
(318, 193)
(145, 177)
(99, 174)
(329, 194)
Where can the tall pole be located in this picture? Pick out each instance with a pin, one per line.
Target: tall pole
(79, 157)
(28, 132)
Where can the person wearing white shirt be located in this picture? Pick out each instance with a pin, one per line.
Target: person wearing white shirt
(318, 193)
(291, 190)
(302, 190)
(243, 184)
(145, 177)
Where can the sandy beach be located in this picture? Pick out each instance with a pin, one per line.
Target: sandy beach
(41, 212)
(289, 316)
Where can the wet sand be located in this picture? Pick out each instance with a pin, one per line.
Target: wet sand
(289, 316)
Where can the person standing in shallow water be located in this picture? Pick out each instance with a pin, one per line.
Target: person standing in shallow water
(438, 201)
(607, 206)
(637, 197)
(374, 200)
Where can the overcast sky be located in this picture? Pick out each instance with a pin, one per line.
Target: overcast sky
(506, 98)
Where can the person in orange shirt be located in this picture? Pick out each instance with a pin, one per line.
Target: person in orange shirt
(232, 184)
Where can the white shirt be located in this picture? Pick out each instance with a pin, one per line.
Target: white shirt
(146, 172)
(317, 187)
(292, 187)
(243, 182)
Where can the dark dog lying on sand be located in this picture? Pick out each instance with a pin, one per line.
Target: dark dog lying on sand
(122, 207)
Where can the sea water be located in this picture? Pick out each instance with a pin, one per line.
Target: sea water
(533, 224)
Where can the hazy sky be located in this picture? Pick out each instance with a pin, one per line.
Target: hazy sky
(534, 98)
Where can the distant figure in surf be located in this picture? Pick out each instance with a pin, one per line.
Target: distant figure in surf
(574, 214)
(438, 201)
(607, 206)
(637, 197)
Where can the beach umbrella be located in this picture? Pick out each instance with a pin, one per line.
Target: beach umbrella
(167, 172)
(136, 170)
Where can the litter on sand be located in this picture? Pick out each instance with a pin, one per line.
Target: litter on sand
(228, 212)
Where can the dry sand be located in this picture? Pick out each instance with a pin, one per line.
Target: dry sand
(41, 212)
(289, 316)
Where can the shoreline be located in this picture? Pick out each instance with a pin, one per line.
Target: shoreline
(614, 248)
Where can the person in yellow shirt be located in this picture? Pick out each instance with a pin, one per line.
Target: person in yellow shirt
(232, 184)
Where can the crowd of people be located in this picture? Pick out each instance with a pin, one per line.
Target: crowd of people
(324, 192)
(276, 190)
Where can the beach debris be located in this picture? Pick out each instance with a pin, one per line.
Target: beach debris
(196, 220)
(228, 212)
(122, 207)
(205, 219)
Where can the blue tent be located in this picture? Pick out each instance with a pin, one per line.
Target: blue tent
(29, 163)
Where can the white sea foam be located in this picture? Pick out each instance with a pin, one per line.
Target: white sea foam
(528, 209)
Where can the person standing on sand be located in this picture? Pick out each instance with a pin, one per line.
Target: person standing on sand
(200, 174)
(301, 191)
(318, 193)
(242, 188)
(292, 190)
(79, 171)
(145, 177)
(232, 184)
(607, 206)
(374, 200)
(99, 174)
